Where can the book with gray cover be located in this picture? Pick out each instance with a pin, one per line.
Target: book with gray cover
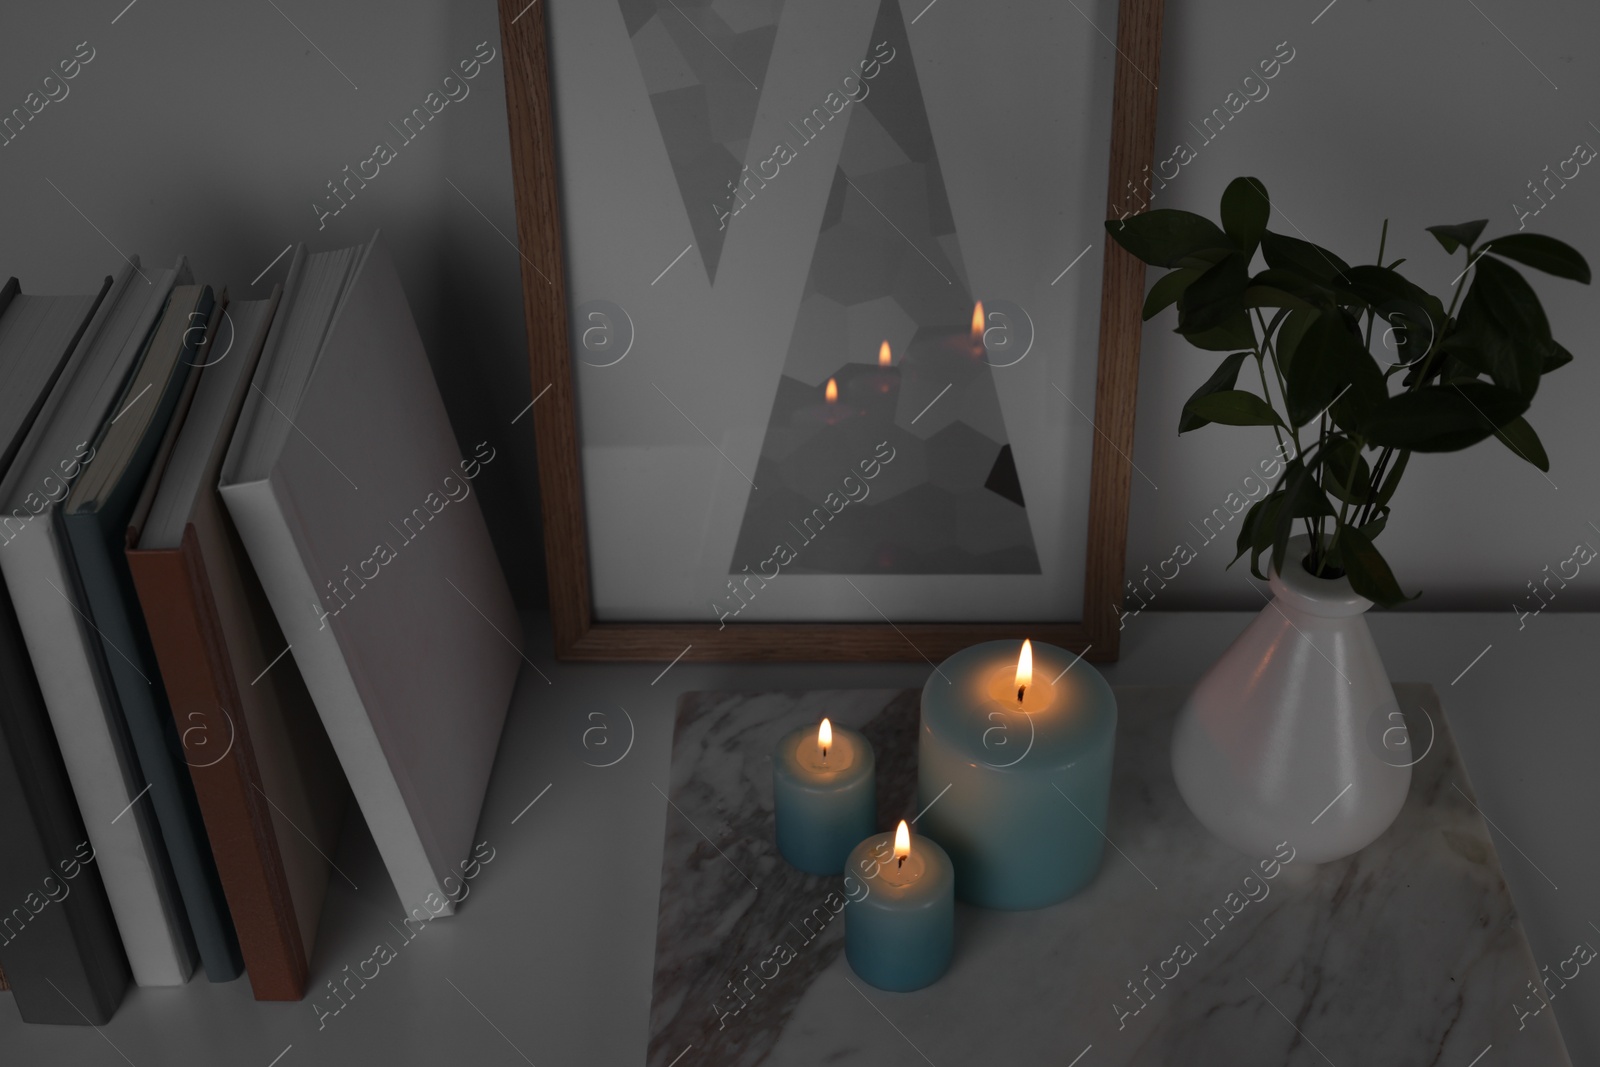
(95, 522)
(58, 939)
(354, 504)
(67, 655)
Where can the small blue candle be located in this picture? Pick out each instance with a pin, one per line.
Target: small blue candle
(1022, 740)
(901, 935)
(824, 795)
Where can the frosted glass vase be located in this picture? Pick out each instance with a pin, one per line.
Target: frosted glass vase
(1287, 736)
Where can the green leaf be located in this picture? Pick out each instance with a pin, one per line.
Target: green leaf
(1164, 236)
(1518, 436)
(1265, 530)
(1247, 530)
(1373, 527)
(1541, 253)
(1339, 455)
(1292, 290)
(1303, 257)
(1215, 298)
(1554, 357)
(1266, 296)
(1409, 315)
(1223, 378)
(1166, 291)
(1462, 233)
(1233, 407)
(1329, 358)
(1367, 570)
(1204, 259)
(1442, 418)
(1236, 332)
(1504, 330)
(1290, 336)
(1245, 209)
(1391, 480)
(1303, 498)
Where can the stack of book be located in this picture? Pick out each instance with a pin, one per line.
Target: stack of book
(244, 579)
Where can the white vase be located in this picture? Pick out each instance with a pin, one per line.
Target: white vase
(1285, 738)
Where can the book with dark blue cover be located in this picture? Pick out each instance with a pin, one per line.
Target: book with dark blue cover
(95, 525)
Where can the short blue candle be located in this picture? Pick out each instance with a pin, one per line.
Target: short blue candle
(824, 802)
(901, 935)
(1028, 779)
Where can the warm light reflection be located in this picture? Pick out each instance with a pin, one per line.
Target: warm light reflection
(902, 841)
(825, 737)
(1024, 668)
(977, 323)
(883, 354)
(832, 392)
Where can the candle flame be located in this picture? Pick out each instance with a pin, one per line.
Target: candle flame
(825, 736)
(883, 354)
(1024, 667)
(831, 394)
(977, 323)
(902, 841)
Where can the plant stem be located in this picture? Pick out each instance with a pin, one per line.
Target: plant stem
(1265, 345)
(1382, 466)
(1344, 502)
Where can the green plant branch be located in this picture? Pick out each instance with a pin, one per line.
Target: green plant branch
(1344, 503)
(1266, 346)
(1381, 468)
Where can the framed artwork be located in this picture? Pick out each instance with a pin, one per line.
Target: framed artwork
(831, 357)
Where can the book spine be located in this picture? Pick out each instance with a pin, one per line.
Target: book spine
(175, 596)
(104, 774)
(139, 694)
(57, 935)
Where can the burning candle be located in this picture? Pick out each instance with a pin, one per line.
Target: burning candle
(901, 934)
(824, 795)
(1014, 771)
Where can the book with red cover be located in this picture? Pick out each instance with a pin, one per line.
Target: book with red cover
(271, 793)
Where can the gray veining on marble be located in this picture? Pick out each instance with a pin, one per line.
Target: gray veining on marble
(1408, 953)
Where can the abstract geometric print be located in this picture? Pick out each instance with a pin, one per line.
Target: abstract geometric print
(887, 267)
(699, 59)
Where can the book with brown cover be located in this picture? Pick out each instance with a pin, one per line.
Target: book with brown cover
(271, 792)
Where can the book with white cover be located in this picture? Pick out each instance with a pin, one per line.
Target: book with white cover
(356, 509)
(67, 653)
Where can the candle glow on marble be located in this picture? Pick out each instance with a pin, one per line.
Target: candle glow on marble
(901, 935)
(824, 795)
(1028, 769)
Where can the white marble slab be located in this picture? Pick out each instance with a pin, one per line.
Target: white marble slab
(1409, 953)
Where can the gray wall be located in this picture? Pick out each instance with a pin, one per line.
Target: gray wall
(210, 130)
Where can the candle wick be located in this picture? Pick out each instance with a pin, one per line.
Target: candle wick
(824, 753)
(900, 862)
(1020, 689)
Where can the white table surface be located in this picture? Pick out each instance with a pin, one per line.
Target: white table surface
(549, 959)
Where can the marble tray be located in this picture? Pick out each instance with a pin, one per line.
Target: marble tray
(1409, 952)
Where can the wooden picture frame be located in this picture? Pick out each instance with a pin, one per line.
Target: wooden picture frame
(578, 635)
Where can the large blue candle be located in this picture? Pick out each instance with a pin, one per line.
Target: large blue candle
(824, 795)
(900, 936)
(1016, 764)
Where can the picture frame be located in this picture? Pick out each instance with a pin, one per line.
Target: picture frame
(583, 633)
